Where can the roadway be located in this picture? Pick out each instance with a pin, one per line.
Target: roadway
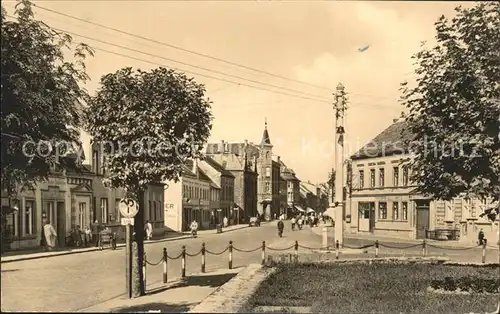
(73, 282)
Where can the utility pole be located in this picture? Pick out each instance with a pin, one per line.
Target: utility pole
(338, 204)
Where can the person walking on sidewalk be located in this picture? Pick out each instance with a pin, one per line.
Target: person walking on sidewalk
(293, 221)
(281, 226)
(226, 222)
(50, 235)
(96, 230)
(149, 230)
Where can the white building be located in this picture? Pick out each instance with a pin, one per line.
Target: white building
(187, 199)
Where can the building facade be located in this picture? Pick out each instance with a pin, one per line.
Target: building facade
(188, 199)
(64, 199)
(224, 179)
(384, 199)
(292, 188)
(241, 160)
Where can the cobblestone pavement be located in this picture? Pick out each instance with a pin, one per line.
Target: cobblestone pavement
(73, 282)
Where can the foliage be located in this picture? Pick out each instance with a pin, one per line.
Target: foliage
(375, 288)
(148, 123)
(455, 109)
(41, 96)
(467, 284)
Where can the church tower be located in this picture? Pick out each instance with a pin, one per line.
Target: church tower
(265, 179)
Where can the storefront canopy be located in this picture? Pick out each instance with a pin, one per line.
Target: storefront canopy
(310, 210)
(330, 212)
(300, 209)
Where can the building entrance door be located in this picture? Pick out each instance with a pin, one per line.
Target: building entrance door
(61, 224)
(422, 223)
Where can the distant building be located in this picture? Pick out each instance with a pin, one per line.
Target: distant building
(312, 197)
(224, 180)
(292, 189)
(188, 199)
(241, 160)
(385, 201)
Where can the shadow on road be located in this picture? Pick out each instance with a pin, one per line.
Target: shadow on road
(156, 307)
(213, 281)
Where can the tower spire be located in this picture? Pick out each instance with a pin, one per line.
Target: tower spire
(265, 136)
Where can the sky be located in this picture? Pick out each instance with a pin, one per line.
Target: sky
(315, 42)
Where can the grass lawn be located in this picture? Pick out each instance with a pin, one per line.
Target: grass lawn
(364, 288)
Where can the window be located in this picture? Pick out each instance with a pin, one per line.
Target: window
(101, 164)
(381, 177)
(95, 161)
(361, 179)
(395, 211)
(372, 178)
(404, 211)
(117, 209)
(395, 176)
(82, 209)
(405, 176)
(382, 210)
(154, 211)
(104, 210)
(29, 215)
(226, 148)
(289, 185)
(268, 172)
(267, 187)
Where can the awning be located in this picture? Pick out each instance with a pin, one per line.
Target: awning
(300, 209)
(310, 210)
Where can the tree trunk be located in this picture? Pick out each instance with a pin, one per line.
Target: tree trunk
(138, 288)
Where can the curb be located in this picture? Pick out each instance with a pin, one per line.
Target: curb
(182, 237)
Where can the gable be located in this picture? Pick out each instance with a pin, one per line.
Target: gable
(83, 188)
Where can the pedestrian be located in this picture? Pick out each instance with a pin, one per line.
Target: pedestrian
(300, 222)
(148, 228)
(281, 226)
(96, 229)
(87, 234)
(226, 222)
(50, 235)
(480, 237)
(293, 221)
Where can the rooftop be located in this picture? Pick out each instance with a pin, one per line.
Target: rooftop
(218, 167)
(391, 141)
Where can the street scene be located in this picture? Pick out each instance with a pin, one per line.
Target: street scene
(250, 156)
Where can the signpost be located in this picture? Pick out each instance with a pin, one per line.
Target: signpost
(128, 208)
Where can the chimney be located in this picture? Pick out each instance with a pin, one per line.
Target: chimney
(246, 142)
(195, 166)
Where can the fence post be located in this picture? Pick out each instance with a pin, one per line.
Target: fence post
(203, 257)
(183, 262)
(376, 248)
(263, 252)
(296, 251)
(144, 270)
(484, 251)
(230, 254)
(165, 259)
(337, 249)
(424, 244)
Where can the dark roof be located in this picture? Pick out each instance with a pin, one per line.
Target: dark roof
(188, 169)
(218, 167)
(265, 137)
(237, 149)
(203, 176)
(393, 140)
(289, 176)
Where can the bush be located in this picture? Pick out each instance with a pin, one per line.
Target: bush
(467, 284)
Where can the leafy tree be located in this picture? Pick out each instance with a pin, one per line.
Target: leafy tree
(147, 124)
(41, 98)
(454, 108)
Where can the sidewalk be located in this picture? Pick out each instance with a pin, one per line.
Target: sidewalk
(178, 296)
(16, 256)
(372, 237)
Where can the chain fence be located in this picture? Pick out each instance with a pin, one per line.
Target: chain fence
(295, 247)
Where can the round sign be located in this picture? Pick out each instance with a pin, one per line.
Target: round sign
(128, 207)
